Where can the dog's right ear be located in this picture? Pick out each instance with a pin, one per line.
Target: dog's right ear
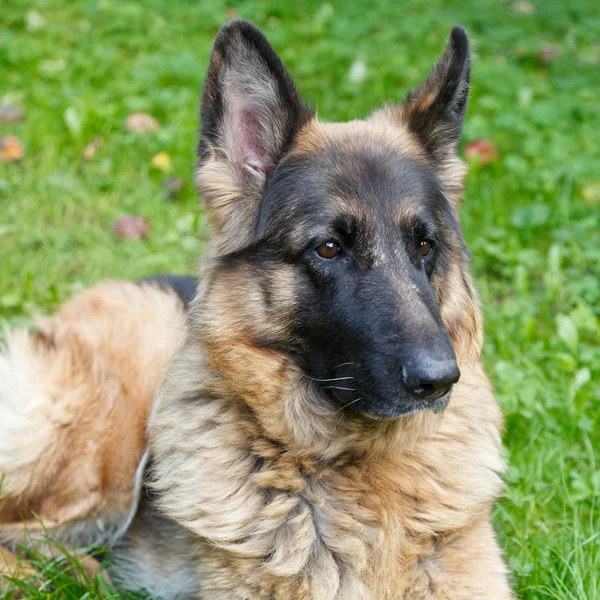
(251, 113)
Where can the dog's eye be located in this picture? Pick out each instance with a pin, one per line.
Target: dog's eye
(329, 249)
(426, 247)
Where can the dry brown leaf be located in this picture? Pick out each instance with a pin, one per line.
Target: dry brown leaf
(11, 148)
(131, 226)
(90, 150)
(141, 123)
(11, 114)
(548, 53)
(482, 150)
(591, 192)
(173, 187)
(524, 7)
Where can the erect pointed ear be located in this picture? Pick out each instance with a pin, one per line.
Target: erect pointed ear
(435, 110)
(251, 112)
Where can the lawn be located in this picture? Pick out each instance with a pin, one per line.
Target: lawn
(79, 68)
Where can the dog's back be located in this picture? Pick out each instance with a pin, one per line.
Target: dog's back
(75, 396)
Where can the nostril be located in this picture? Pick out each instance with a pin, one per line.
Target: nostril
(425, 390)
(428, 391)
(428, 379)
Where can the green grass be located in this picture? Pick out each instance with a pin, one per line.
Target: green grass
(59, 577)
(531, 219)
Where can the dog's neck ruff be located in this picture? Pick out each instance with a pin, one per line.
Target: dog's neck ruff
(269, 514)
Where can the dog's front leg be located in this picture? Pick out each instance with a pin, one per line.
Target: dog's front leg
(157, 555)
(468, 566)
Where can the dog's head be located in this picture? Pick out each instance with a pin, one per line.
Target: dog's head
(338, 252)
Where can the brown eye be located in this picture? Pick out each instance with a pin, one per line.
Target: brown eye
(425, 248)
(329, 250)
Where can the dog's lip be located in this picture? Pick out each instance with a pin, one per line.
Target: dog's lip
(436, 405)
(402, 408)
(405, 404)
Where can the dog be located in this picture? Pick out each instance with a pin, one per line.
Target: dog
(75, 396)
(326, 431)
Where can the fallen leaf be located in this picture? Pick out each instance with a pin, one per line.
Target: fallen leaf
(34, 20)
(173, 186)
(73, 121)
(581, 378)
(483, 151)
(548, 53)
(524, 7)
(141, 123)
(11, 114)
(358, 71)
(49, 67)
(567, 331)
(231, 13)
(525, 96)
(162, 161)
(11, 148)
(590, 54)
(591, 192)
(131, 226)
(186, 223)
(90, 150)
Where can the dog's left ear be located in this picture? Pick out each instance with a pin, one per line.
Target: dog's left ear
(435, 110)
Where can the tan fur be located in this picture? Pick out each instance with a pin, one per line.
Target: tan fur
(74, 402)
(232, 211)
(286, 497)
(379, 129)
(331, 528)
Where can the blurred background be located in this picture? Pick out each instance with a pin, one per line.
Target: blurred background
(98, 125)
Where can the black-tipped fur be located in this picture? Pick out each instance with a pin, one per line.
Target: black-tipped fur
(435, 109)
(248, 84)
(183, 285)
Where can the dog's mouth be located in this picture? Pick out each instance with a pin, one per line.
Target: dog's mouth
(402, 409)
(385, 390)
(400, 405)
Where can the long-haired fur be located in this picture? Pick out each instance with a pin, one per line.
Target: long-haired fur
(282, 493)
(75, 395)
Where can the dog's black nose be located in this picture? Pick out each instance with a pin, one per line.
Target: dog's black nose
(427, 376)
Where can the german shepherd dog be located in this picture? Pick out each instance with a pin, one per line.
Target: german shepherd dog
(326, 431)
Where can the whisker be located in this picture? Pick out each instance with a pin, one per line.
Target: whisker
(347, 405)
(334, 387)
(344, 364)
(328, 379)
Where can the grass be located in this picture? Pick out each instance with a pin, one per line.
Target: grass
(60, 577)
(530, 218)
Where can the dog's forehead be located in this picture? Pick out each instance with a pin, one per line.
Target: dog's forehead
(353, 169)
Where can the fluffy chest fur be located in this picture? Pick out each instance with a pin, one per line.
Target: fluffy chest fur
(275, 523)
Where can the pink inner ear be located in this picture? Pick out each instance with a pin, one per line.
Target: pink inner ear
(252, 147)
